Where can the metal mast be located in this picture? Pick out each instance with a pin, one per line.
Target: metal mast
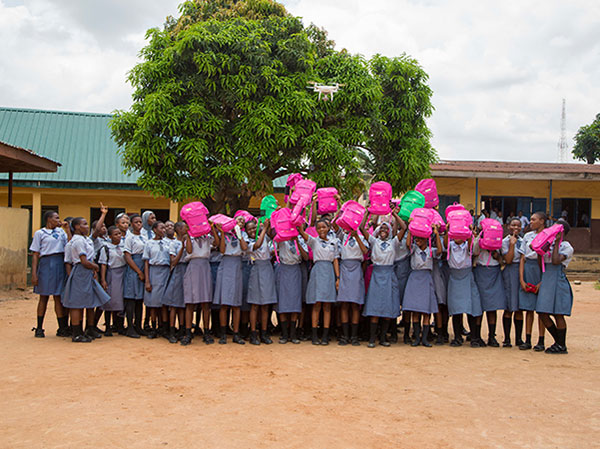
(563, 149)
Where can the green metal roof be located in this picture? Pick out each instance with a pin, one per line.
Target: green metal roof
(80, 141)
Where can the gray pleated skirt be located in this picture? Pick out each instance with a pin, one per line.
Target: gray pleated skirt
(246, 269)
(197, 281)
(352, 282)
(555, 295)
(214, 268)
(532, 274)
(114, 279)
(419, 295)
(440, 274)
(228, 288)
(133, 288)
(463, 295)
(159, 277)
(174, 293)
(491, 288)
(261, 285)
(382, 298)
(51, 275)
(510, 277)
(288, 281)
(82, 291)
(304, 278)
(402, 269)
(321, 283)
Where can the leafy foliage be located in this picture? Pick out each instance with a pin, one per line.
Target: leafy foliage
(587, 142)
(221, 108)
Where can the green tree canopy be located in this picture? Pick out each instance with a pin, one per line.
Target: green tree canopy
(587, 142)
(221, 108)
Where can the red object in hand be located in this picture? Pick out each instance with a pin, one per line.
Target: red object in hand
(531, 288)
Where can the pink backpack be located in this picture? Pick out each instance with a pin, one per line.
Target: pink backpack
(227, 223)
(542, 242)
(491, 236)
(248, 217)
(452, 208)
(327, 203)
(304, 190)
(429, 190)
(195, 214)
(438, 220)
(421, 220)
(459, 222)
(380, 196)
(291, 182)
(351, 216)
(281, 221)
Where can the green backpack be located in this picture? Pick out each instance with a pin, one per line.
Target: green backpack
(410, 201)
(267, 207)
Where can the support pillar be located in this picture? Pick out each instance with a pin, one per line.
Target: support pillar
(174, 211)
(36, 213)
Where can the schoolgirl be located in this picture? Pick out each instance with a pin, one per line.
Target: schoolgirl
(321, 291)
(383, 298)
(99, 232)
(112, 273)
(228, 288)
(511, 244)
(463, 294)
(555, 296)
(351, 293)
(402, 269)
(148, 220)
(198, 284)
(261, 285)
(420, 299)
(440, 274)
(156, 274)
(246, 268)
(48, 271)
(174, 298)
(82, 291)
(215, 261)
(164, 319)
(133, 285)
(288, 283)
(530, 272)
(122, 222)
(488, 278)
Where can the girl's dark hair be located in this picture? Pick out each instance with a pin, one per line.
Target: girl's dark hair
(94, 223)
(179, 225)
(48, 214)
(76, 221)
(542, 215)
(121, 215)
(514, 219)
(566, 226)
(132, 216)
(155, 224)
(111, 229)
(322, 220)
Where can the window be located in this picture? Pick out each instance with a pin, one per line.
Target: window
(110, 216)
(575, 210)
(511, 205)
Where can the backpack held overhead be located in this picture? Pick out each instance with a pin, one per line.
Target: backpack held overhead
(227, 223)
(380, 197)
(248, 217)
(350, 217)
(195, 214)
(267, 207)
(429, 190)
(291, 182)
(301, 198)
(410, 201)
(542, 243)
(459, 224)
(281, 222)
(327, 204)
(421, 222)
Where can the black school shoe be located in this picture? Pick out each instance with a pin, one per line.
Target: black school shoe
(492, 342)
(264, 338)
(539, 347)
(239, 340)
(92, 333)
(39, 332)
(478, 343)
(354, 341)
(457, 342)
(108, 332)
(525, 346)
(81, 339)
(254, 340)
(208, 339)
(131, 333)
(506, 343)
(557, 349)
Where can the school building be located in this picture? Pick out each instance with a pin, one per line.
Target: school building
(91, 172)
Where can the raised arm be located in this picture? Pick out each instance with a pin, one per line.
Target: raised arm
(362, 228)
(100, 223)
(361, 245)
(557, 258)
(261, 237)
(438, 242)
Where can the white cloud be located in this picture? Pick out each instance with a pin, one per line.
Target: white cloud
(499, 70)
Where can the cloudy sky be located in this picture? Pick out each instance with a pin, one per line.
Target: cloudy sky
(499, 70)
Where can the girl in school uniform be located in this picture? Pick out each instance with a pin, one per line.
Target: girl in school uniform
(261, 285)
(148, 220)
(420, 299)
(112, 273)
(228, 288)
(156, 274)
(48, 271)
(530, 272)
(133, 285)
(122, 222)
(511, 244)
(402, 270)
(488, 278)
(246, 269)
(440, 274)
(555, 296)
(351, 293)
(174, 297)
(82, 291)
(321, 291)
(383, 298)
(215, 261)
(463, 294)
(198, 283)
(288, 283)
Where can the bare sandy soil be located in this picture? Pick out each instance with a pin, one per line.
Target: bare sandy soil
(123, 393)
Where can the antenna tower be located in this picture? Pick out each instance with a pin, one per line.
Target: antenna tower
(563, 149)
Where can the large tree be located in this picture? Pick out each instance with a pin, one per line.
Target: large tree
(587, 142)
(221, 108)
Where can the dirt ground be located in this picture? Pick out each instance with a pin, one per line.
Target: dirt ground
(123, 393)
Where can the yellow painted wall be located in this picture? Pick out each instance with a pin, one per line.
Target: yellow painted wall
(463, 187)
(14, 224)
